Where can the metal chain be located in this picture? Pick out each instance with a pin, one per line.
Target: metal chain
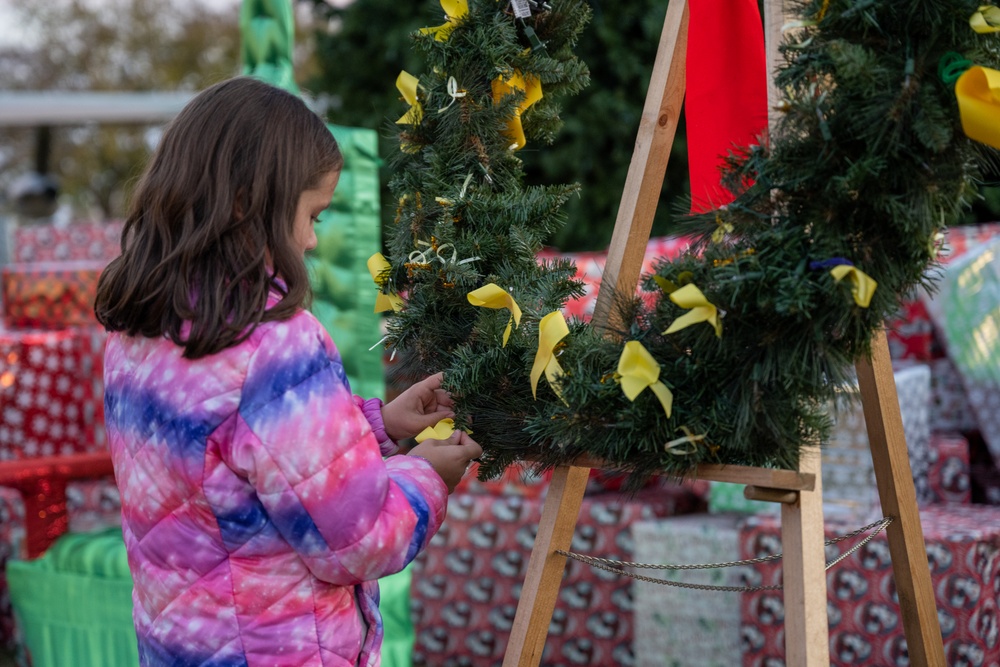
(616, 566)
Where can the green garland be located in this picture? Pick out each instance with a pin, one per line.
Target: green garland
(867, 168)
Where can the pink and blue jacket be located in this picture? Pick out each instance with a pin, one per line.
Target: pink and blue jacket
(257, 509)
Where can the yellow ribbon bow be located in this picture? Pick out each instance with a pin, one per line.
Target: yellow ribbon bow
(406, 84)
(702, 310)
(454, 10)
(862, 285)
(440, 431)
(551, 329)
(978, 93)
(378, 266)
(494, 296)
(986, 20)
(637, 370)
(532, 89)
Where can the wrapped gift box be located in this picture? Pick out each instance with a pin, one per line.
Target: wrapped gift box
(848, 473)
(467, 582)
(950, 473)
(910, 333)
(50, 295)
(78, 241)
(92, 505)
(590, 269)
(866, 627)
(728, 497)
(965, 312)
(949, 409)
(51, 392)
(687, 627)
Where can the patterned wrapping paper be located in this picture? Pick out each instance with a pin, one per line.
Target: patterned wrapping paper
(848, 473)
(590, 270)
(467, 583)
(51, 392)
(50, 295)
(963, 550)
(12, 536)
(966, 312)
(950, 474)
(77, 241)
(910, 334)
(950, 409)
(684, 627)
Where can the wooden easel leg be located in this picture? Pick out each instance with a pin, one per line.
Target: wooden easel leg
(804, 573)
(899, 500)
(545, 567)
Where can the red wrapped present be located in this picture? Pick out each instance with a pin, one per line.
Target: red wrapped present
(959, 240)
(50, 295)
(950, 472)
(77, 241)
(590, 269)
(866, 626)
(911, 333)
(466, 583)
(51, 392)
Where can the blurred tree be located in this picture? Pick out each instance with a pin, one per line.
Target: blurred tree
(361, 48)
(114, 45)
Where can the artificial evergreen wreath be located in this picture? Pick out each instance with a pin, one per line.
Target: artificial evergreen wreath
(835, 219)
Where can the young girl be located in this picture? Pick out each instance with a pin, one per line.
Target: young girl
(257, 509)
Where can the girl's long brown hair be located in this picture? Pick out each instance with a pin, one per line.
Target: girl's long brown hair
(209, 228)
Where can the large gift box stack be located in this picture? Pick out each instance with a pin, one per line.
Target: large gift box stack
(963, 551)
(466, 585)
(51, 370)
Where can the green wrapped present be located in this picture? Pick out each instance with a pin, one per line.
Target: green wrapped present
(74, 603)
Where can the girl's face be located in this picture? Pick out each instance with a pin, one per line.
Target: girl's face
(311, 203)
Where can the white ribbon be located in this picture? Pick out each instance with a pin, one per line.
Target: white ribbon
(454, 92)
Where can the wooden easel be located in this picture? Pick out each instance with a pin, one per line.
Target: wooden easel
(799, 492)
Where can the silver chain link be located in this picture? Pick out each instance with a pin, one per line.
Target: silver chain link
(617, 566)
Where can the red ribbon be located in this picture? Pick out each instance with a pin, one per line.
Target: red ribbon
(726, 98)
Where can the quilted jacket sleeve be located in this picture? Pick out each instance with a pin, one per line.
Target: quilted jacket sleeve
(307, 449)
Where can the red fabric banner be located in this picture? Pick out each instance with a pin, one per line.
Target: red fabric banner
(726, 98)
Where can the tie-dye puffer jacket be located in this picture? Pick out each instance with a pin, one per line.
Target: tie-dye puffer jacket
(256, 507)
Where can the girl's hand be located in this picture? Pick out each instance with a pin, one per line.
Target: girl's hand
(423, 404)
(450, 458)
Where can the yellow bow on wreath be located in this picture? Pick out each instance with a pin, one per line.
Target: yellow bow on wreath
(551, 329)
(702, 310)
(454, 10)
(532, 88)
(440, 431)
(862, 285)
(637, 369)
(379, 267)
(986, 20)
(496, 297)
(406, 83)
(978, 93)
